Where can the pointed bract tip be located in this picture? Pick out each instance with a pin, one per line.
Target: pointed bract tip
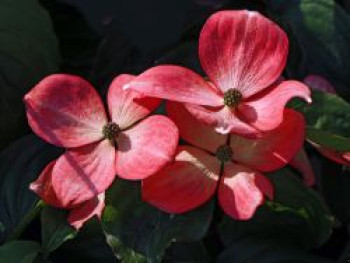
(26, 97)
(35, 187)
(251, 13)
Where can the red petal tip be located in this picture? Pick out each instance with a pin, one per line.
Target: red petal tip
(35, 187)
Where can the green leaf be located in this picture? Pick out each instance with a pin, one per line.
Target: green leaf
(72, 30)
(329, 140)
(19, 252)
(145, 229)
(89, 246)
(124, 253)
(291, 193)
(335, 185)
(328, 120)
(55, 229)
(21, 164)
(264, 251)
(28, 52)
(187, 252)
(297, 216)
(322, 30)
(328, 112)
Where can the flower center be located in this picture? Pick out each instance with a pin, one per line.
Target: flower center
(224, 153)
(232, 98)
(110, 131)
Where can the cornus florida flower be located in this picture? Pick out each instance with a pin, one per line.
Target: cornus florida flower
(66, 111)
(243, 54)
(230, 163)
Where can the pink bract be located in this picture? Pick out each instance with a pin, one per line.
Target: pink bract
(197, 171)
(66, 111)
(243, 53)
(301, 162)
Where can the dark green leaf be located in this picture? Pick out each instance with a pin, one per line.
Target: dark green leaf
(144, 228)
(123, 253)
(78, 40)
(291, 193)
(264, 251)
(185, 55)
(329, 140)
(89, 246)
(297, 216)
(335, 185)
(328, 112)
(55, 228)
(28, 52)
(21, 164)
(187, 252)
(328, 120)
(19, 252)
(322, 30)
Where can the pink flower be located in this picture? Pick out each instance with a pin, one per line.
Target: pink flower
(66, 111)
(229, 164)
(243, 54)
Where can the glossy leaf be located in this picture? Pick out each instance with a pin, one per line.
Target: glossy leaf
(124, 253)
(290, 192)
(329, 140)
(145, 229)
(328, 120)
(55, 228)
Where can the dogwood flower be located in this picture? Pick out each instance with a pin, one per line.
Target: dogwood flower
(229, 164)
(67, 111)
(242, 53)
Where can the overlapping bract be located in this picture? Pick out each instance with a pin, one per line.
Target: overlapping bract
(66, 111)
(196, 173)
(240, 51)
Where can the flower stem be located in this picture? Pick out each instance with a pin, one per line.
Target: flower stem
(27, 219)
